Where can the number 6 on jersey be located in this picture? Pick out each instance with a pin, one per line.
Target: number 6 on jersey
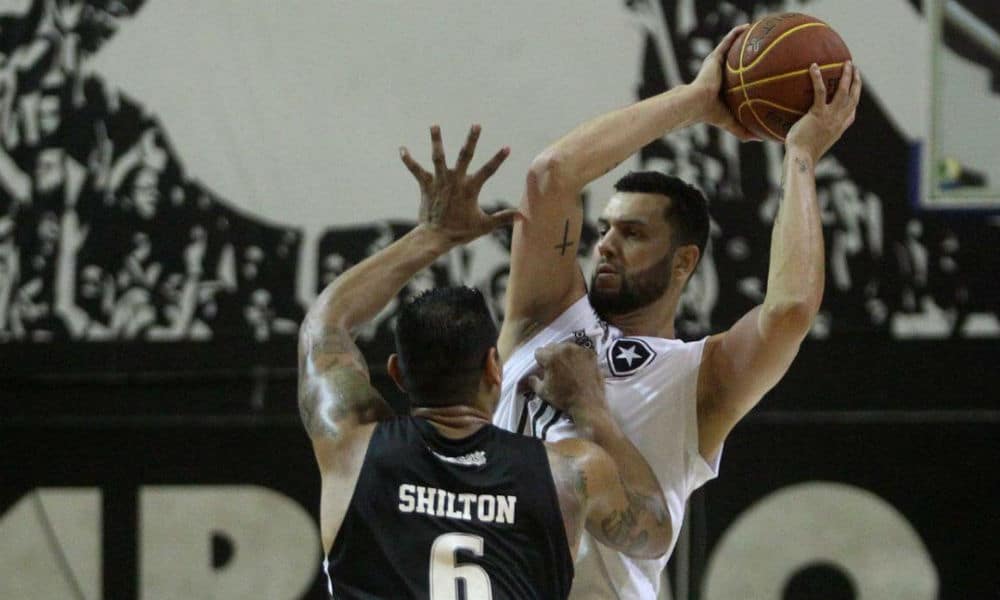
(446, 573)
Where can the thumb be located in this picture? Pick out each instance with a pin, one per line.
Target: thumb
(504, 218)
(543, 355)
(536, 384)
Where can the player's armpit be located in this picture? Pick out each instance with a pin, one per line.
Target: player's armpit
(627, 519)
(545, 278)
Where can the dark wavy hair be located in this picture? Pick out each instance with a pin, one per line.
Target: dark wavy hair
(687, 211)
(443, 337)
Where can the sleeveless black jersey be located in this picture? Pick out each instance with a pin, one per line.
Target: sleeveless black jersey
(440, 519)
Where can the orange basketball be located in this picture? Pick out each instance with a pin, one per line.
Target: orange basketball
(767, 83)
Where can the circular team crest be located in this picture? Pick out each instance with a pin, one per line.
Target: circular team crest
(628, 355)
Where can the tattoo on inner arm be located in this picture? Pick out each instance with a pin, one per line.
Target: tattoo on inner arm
(565, 244)
(335, 341)
(802, 164)
(623, 527)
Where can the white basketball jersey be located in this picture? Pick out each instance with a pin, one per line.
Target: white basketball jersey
(651, 386)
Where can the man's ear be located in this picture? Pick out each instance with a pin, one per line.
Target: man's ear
(394, 372)
(685, 260)
(493, 373)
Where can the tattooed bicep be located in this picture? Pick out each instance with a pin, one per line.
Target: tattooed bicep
(339, 398)
(335, 390)
(325, 346)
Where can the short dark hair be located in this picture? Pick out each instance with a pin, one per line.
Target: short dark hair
(443, 337)
(687, 211)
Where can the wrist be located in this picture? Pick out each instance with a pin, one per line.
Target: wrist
(434, 239)
(799, 158)
(592, 420)
(797, 151)
(695, 98)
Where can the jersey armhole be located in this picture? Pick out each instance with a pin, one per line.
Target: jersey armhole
(354, 490)
(701, 469)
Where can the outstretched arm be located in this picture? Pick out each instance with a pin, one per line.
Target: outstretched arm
(616, 490)
(742, 364)
(335, 392)
(544, 276)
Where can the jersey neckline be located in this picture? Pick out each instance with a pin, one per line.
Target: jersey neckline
(450, 446)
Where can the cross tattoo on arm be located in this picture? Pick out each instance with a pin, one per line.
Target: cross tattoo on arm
(565, 244)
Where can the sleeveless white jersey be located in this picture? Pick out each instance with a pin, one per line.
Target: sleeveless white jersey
(651, 385)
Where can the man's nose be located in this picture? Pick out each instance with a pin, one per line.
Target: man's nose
(606, 246)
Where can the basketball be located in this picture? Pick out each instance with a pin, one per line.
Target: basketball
(767, 84)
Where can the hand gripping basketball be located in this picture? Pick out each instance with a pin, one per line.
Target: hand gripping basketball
(826, 121)
(710, 80)
(767, 80)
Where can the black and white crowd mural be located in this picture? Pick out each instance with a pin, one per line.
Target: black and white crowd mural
(892, 268)
(110, 232)
(103, 235)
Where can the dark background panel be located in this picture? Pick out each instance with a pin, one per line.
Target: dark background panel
(121, 456)
(939, 474)
(840, 374)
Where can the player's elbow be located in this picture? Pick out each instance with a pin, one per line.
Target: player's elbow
(790, 317)
(657, 545)
(661, 529)
(330, 307)
(547, 175)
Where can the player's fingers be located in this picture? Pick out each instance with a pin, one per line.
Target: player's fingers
(536, 384)
(819, 88)
(723, 47)
(413, 166)
(543, 355)
(437, 151)
(486, 171)
(856, 86)
(843, 96)
(468, 149)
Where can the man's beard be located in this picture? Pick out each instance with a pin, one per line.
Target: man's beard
(634, 292)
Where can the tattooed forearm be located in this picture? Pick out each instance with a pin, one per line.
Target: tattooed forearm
(802, 164)
(624, 528)
(566, 243)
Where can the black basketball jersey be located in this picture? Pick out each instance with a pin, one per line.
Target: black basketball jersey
(441, 519)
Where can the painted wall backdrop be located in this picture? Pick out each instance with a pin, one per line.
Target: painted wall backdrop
(179, 178)
(193, 171)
